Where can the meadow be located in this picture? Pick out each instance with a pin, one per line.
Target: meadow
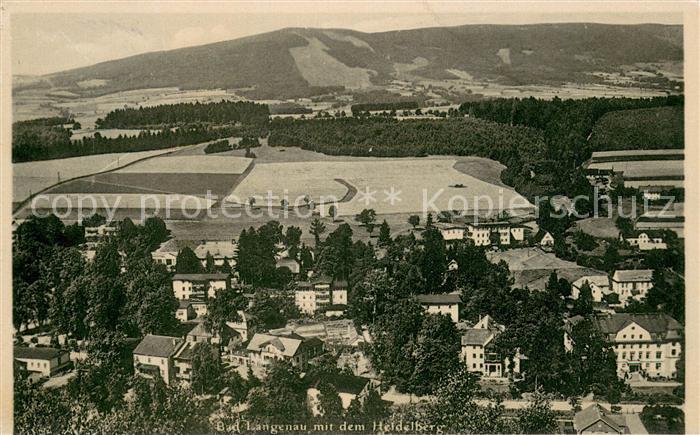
(414, 179)
(32, 177)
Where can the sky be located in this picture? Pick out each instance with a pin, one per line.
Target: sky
(50, 42)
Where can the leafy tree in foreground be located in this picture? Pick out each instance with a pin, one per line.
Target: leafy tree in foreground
(207, 370)
(281, 398)
(187, 261)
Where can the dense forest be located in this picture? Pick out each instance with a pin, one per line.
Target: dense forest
(31, 146)
(653, 128)
(46, 138)
(224, 112)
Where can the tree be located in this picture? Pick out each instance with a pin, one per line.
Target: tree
(538, 417)
(414, 220)
(281, 397)
(330, 405)
(433, 263)
(272, 309)
(333, 211)
(207, 371)
(584, 303)
(292, 240)
(394, 334)
(384, 234)
(155, 231)
(317, 228)
(228, 302)
(187, 261)
(436, 353)
(367, 217)
(209, 267)
(336, 257)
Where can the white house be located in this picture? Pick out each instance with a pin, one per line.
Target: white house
(441, 304)
(632, 283)
(645, 240)
(185, 311)
(478, 354)
(451, 232)
(599, 284)
(242, 325)
(45, 361)
(646, 343)
(199, 285)
(544, 239)
(480, 233)
(319, 294)
(154, 356)
(222, 251)
(266, 348)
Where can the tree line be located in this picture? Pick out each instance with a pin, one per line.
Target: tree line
(54, 142)
(223, 112)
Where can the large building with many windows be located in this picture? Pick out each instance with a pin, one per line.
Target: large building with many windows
(649, 344)
(319, 294)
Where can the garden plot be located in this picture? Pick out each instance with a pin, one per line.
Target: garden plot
(387, 185)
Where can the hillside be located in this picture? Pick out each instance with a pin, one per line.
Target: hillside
(302, 62)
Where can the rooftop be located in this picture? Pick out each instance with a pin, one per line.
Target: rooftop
(199, 276)
(439, 299)
(158, 345)
(43, 353)
(637, 275)
(287, 345)
(477, 337)
(660, 326)
(595, 413)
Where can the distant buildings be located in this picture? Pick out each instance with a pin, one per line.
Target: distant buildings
(199, 285)
(154, 356)
(645, 240)
(221, 251)
(447, 304)
(484, 234)
(340, 332)
(649, 344)
(319, 294)
(44, 361)
(632, 283)
(478, 353)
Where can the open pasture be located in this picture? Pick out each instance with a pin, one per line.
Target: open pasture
(31, 177)
(140, 182)
(191, 165)
(414, 181)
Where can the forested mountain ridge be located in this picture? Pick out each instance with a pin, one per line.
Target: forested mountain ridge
(297, 62)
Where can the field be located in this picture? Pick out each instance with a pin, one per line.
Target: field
(32, 177)
(601, 227)
(187, 175)
(645, 168)
(417, 181)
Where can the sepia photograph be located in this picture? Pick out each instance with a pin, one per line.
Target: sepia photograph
(371, 218)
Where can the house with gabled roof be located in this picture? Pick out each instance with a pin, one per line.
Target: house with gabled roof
(645, 240)
(649, 344)
(478, 352)
(199, 285)
(632, 284)
(263, 349)
(597, 420)
(599, 284)
(44, 361)
(154, 356)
